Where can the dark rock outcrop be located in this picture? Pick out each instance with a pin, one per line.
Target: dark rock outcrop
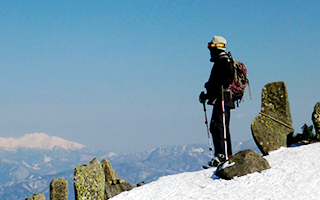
(89, 181)
(37, 196)
(140, 184)
(273, 124)
(316, 119)
(114, 185)
(109, 173)
(243, 163)
(59, 189)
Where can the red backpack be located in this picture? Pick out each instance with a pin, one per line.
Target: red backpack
(240, 81)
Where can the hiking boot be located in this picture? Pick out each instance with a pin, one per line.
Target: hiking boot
(216, 161)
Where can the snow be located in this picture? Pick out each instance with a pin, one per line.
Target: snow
(294, 174)
(47, 159)
(38, 140)
(35, 166)
(225, 165)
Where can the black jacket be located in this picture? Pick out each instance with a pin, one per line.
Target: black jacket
(222, 73)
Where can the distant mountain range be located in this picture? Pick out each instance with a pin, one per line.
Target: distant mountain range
(28, 164)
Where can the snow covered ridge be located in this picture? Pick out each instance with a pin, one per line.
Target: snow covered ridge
(294, 174)
(38, 140)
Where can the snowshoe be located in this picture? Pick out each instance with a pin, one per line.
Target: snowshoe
(206, 167)
(216, 161)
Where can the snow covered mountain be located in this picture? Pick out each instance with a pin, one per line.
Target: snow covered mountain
(38, 140)
(294, 174)
(28, 164)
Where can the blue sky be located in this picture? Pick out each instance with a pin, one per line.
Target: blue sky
(125, 76)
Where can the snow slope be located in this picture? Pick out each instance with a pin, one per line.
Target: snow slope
(38, 140)
(294, 174)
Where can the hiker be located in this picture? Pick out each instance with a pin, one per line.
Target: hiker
(222, 75)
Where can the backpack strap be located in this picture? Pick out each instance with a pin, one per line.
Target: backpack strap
(223, 55)
(249, 89)
(234, 64)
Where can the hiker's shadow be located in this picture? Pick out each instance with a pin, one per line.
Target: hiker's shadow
(214, 176)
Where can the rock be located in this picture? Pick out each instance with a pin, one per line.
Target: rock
(115, 187)
(243, 163)
(110, 174)
(316, 119)
(291, 139)
(140, 184)
(59, 189)
(89, 181)
(273, 124)
(37, 196)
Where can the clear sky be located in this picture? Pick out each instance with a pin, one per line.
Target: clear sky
(125, 76)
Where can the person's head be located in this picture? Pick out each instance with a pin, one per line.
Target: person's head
(217, 45)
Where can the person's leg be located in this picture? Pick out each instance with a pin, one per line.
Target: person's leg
(216, 129)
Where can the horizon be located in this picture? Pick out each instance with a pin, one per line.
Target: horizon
(44, 141)
(126, 76)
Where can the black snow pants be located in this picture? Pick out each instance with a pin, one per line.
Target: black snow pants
(216, 129)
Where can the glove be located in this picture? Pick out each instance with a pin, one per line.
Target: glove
(203, 97)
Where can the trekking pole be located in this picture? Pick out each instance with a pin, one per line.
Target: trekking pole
(224, 125)
(206, 122)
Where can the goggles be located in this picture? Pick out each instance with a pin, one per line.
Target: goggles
(220, 45)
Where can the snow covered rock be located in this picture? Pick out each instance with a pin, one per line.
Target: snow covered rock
(273, 124)
(243, 163)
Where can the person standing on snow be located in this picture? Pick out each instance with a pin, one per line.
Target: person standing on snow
(222, 75)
